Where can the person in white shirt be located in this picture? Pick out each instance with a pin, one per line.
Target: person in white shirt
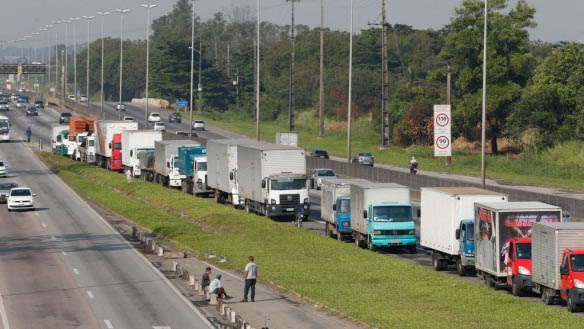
(216, 287)
(250, 276)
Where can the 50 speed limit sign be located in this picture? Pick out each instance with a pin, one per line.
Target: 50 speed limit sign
(442, 131)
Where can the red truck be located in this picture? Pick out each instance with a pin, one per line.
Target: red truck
(108, 142)
(518, 265)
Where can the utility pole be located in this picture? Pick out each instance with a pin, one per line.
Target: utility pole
(74, 20)
(122, 12)
(255, 55)
(484, 115)
(321, 86)
(148, 7)
(292, 96)
(385, 80)
(102, 14)
(258, 75)
(228, 73)
(200, 89)
(88, 18)
(192, 68)
(350, 87)
(448, 84)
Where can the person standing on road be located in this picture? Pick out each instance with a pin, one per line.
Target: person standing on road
(28, 134)
(205, 280)
(250, 276)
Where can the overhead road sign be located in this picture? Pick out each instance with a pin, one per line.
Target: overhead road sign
(23, 69)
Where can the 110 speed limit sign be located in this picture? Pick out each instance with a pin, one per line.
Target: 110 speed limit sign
(442, 131)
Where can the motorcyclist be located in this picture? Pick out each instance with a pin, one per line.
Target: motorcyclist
(301, 215)
(413, 165)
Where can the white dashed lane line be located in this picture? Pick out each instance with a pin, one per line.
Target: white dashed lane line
(108, 324)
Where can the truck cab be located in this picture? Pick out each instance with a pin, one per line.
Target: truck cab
(391, 224)
(174, 176)
(80, 140)
(89, 146)
(115, 163)
(572, 279)
(199, 165)
(518, 265)
(57, 141)
(342, 209)
(466, 249)
(286, 192)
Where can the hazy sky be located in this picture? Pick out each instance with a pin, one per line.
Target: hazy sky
(557, 19)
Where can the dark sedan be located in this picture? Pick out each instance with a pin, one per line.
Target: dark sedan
(32, 111)
(174, 117)
(64, 118)
(320, 154)
(5, 190)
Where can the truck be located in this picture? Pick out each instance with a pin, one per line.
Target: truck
(335, 206)
(135, 142)
(165, 164)
(79, 129)
(290, 139)
(108, 142)
(518, 265)
(222, 169)
(87, 150)
(447, 224)
(381, 216)
(557, 256)
(495, 224)
(192, 165)
(57, 137)
(272, 179)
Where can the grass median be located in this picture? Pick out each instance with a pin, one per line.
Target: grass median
(382, 291)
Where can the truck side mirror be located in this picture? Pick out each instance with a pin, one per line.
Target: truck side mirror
(264, 183)
(109, 146)
(364, 213)
(564, 270)
(419, 213)
(457, 234)
(334, 207)
(231, 175)
(167, 164)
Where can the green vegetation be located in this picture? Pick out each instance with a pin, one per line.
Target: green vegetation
(559, 166)
(382, 291)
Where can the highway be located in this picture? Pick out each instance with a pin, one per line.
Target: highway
(63, 266)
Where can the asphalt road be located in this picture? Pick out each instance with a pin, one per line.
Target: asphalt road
(63, 266)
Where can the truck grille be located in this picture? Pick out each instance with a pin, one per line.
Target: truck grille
(395, 232)
(289, 199)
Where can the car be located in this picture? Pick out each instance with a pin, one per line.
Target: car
(159, 126)
(318, 175)
(21, 102)
(4, 106)
(363, 158)
(121, 107)
(65, 117)
(5, 188)
(71, 97)
(320, 154)
(199, 125)
(185, 133)
(128, 118)
(154, 117)
(3, 167)
(39, 104)
(83, 99)
(32, 111)
(174, 117)
(20, 198)
(14, 97)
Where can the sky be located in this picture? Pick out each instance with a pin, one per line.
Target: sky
(557, 19)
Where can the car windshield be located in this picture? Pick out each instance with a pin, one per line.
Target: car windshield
(288, 184)
(176, 114)
(325, 173)
(199, 122)
(66, 114)
(577, 263)
(2, 163)
(201, 166)
(4, 124)
(20, 193)
(524, 251)
(7, 186)
(392, 213)
(344, 206)
(319, 152)
(155, 114)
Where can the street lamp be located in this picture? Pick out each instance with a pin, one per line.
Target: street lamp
(26, 37)
(74, 20)
(102, 14)
(484, 119)
(66, 79)
(88, 18)
(56, 58)
(350, 87)
(199, 89)
(148, 7)
(122, 12)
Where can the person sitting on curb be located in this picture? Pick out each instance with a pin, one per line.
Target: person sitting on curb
(206, 280)
(216, 287)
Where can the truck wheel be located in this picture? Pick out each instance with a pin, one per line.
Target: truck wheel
(547, 296)
(326, 230)
(516, 290)
(438, 264)
(217, 197)
(460, 268)
(570, 304)
(370, 245)
(357, 240)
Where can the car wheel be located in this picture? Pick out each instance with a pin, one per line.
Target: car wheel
(460, 268)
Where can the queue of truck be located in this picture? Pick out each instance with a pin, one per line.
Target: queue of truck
(522, 245)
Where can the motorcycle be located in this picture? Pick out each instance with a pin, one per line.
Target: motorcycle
(300, 217)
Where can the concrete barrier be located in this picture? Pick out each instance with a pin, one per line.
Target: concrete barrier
(192, 280)
(154, 245)
(232, 317)
(223, 309)
(213, 300)
(174, 254)
(160, 252)
(174, 265)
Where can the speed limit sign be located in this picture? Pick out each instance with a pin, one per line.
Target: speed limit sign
(442, 131)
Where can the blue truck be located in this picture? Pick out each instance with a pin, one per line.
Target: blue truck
(382, 216)
(192, 167)
(335, 206)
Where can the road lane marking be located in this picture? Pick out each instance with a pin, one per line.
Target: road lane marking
(36, 214)
(108, 324)
(64, 253)
(53, 238)
(3, 314)
(44, 225)
(76, 271)
(161, 327)
(90, 294)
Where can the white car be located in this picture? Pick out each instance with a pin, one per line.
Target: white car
(3, 169)
(20, 198)
(154, 117)
(159, 126)
(83, 99)
(128, 118)
(198, 125)
(318, 175)
(71, 97)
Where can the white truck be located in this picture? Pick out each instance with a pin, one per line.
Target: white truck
(272, 179)
(108, 142)
(290, 139)
(335, 206)
(165, 167)
(222, 169)
(496, 223)
(135, 142)
(57, 137)
(447, 224)
(381, 216)
(87, 150)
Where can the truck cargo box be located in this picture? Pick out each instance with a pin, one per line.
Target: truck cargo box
(331, 190)
(163, 150)
(80, 125)
(221, 161)
(105, 131)
(135, 141)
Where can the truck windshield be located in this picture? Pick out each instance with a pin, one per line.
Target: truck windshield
(577, 263)
(118, 146)
(288, 184)
(469, 234)
(524, 251)
(345, 206)
(4, 124)
(392, 213)
(201, 166)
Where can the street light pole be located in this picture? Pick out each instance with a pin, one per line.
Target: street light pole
(192, 68)
(258, 74)
(484, 115)
(88, 18)
(148, 7)
(122, 12)
(102, 14)
(350, 88)
(66, 79)
(74, 21)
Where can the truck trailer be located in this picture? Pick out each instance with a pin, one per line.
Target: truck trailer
(272, 179)
(495, 224)
(135, 142)
(447, 224)
(165, 169)
(381, 216)
(108, 142)
(335, 206)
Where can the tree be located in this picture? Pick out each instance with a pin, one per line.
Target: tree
(508, 57)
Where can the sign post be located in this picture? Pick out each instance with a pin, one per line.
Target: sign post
(182, 103)
(442, 131)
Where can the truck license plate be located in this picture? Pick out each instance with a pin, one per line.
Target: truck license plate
(394, 242)
(289, 209)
